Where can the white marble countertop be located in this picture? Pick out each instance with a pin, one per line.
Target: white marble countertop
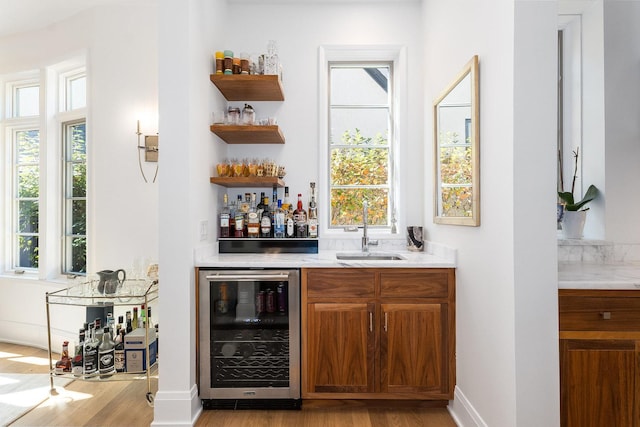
(323, 259)
(434, 256)
(618, 276)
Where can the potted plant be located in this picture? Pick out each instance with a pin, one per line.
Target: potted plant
(575, 213)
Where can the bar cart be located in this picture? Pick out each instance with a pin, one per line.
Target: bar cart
(130, 293)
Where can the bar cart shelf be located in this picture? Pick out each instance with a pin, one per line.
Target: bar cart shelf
(131, 293)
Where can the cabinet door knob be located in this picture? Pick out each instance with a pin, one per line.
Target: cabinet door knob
(385, 322)
(370, 321)
(606, 315)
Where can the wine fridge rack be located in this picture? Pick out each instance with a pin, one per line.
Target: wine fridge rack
(250, 358)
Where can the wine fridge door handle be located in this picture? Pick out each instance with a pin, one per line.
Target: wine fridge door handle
(246, 277)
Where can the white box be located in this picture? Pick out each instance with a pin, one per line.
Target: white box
(134, 350)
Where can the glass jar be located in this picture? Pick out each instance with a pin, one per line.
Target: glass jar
(248, 115)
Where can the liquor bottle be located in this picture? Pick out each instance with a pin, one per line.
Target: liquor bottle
(97, 329)
(278, 221)
(106, 355)
(289, 224)
(232, 218)
(260, 206)
(313, 213)
(253, 223)
(110, 322)
(76, 362)
(121, 325)
(134, 321)
(286, 202)
(274, 199)
(90, 353)
(300, 219)
(225, 213)
(142, 320)
(266, 220)
(64, 364)
(129, 323)
(239, 218)
(118, 353)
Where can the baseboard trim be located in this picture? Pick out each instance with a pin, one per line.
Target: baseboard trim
(463, 412)
(177, 408)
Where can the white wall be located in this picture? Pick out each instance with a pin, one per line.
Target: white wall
(120, 45)
(506, 356)
(622, 119)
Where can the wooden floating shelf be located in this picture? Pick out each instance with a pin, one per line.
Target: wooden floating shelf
(249, 134)
(249, 181)
(251, 87)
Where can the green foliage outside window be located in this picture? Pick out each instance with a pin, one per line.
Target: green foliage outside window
(76, 235)
(455, 176)
(359, 171)
(27, 191)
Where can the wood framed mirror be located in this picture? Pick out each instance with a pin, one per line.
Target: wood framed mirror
(456, 141)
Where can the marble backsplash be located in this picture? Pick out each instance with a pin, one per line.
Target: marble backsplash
(597, 251)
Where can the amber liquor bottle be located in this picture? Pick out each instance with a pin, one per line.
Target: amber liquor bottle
(64, 364)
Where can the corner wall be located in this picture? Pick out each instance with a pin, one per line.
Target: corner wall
(507, 365)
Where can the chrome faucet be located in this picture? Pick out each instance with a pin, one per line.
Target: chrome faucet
(365, 238)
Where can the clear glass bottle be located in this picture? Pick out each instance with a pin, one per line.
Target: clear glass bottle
(134, 321)
(266, 220)
(253, 223)
(224, 216)
(106, 355)
(286, 202)
(239, 218)
(313, 212)
(278, 221)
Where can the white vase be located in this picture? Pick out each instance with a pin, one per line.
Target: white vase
(573, 224)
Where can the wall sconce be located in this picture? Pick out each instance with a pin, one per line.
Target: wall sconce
(150, 149)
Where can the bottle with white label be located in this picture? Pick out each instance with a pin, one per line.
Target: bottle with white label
(313, 213)
(90, 353)
(106, 355)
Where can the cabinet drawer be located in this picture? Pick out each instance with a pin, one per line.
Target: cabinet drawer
(340, 283)
(415, 284)
(594, 313)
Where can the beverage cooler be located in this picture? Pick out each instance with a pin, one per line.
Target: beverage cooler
(249, 338)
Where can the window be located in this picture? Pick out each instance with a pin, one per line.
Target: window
(360, 142)
(74, 172)
(26, 193)
(75, 197)
(26, 100)
(48, 161)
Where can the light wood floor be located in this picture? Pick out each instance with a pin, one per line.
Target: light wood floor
(123, 403)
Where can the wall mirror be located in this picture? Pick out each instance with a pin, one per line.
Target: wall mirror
(456, 140)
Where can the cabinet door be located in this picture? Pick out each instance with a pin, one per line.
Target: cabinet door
(413, 349)
(340, 347)
(599, 383)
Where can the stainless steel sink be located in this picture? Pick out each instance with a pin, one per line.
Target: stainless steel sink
(369, 256)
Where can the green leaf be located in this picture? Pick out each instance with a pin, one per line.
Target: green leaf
(592, 193)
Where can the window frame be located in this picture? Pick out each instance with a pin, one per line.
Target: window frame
(361, 54)
(67, 234)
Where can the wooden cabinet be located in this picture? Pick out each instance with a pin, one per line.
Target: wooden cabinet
(378, 333)
(238, 87)
(599, 358)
